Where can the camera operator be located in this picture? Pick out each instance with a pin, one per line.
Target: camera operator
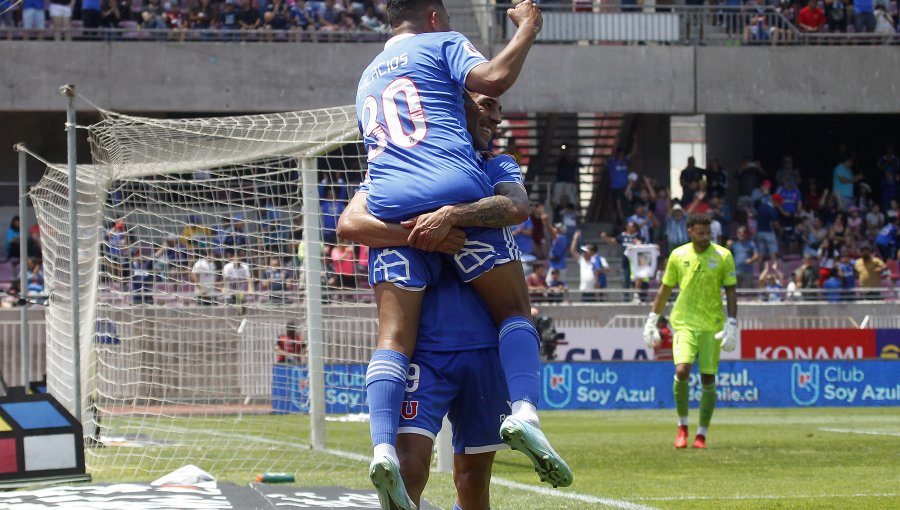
(550, 338)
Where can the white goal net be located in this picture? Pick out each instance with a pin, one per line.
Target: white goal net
(201, 244)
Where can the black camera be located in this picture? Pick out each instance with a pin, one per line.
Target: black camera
(550, 338)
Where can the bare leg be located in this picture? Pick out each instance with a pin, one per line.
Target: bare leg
(472, 477)
(414, 452)
(504, 291)
(398, 317)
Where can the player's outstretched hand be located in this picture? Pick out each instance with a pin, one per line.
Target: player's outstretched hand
(526, 14)
(729, 335)
(430, 229)
(651, 332)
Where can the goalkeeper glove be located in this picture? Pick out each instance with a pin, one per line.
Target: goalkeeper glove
(729, 335)
(651, 332)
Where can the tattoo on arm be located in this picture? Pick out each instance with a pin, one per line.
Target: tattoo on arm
(492, 212)
(505, 209)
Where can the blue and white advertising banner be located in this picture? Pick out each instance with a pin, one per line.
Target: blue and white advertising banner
(641, 385)
(648, 385)
(345, 389)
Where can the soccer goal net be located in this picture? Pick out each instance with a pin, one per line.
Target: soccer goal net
(221, 322)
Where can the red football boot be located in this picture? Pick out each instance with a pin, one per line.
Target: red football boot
(700, 441)
(682, 437)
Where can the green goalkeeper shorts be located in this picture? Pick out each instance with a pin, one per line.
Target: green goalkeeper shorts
(702, 346)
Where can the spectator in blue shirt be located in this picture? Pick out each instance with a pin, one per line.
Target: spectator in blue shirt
(790, 196)
(331, 211)
(844, 179)
(832, 288)
(886, 241)
(91, 15)
(745, 255)
(847, 275)
(304, 17)
(766, 220)
(863, 16)
(559, 247)
(522, 235)
(33, 15)
(676, 228)
(618, 180)
(12, 234)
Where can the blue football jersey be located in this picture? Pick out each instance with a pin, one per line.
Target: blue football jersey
(502, 168)
(409, 105)
(454, 317)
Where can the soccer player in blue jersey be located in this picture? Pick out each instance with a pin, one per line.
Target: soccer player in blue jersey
(504, 209)
(454, 370)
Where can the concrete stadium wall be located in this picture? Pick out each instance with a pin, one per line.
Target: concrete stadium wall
(235, 77)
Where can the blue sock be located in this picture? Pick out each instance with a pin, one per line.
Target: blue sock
(456, 506)
(520, 358)
(385, 385)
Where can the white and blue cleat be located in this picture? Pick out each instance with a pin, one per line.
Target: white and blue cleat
(385, 475)
(522, 436)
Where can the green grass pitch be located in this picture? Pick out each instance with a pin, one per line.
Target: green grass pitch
(757, 459)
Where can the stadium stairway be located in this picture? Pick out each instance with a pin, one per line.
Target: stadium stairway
(464, 20)
(538, 138)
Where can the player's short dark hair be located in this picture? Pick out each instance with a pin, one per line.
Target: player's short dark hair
(398, 11)
(698, 219)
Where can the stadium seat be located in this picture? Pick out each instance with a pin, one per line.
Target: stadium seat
(6, 271)
(893, 271)
(76, 27)
(130, 29)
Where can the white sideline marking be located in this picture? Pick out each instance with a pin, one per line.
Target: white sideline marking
(612, 503)
(303, 446)
(865, 432)
(800, 496)
(348, 455)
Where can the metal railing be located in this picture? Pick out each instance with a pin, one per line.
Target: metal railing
(618, 295)
(564, 23)
(788, 322)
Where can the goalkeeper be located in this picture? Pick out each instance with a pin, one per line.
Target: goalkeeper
(700, 268)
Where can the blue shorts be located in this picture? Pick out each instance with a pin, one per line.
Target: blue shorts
(469, 386)
(413, 269)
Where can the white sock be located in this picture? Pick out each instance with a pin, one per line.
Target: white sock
(701, 431)
(386, 450)
(525, 410)
(682, 421)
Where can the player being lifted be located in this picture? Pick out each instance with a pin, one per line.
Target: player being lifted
(410, 109)
(454, 370)
(700, 268)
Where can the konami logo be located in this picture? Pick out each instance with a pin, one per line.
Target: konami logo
(807, 344)
(797, 352)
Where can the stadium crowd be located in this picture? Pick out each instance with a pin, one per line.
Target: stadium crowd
(291, 19)
(794, 235)
(255, 19)
(824, 235)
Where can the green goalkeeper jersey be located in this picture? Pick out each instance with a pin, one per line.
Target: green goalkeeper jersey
(701, 277)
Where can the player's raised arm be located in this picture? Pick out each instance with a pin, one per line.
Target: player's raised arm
(495, 77)
(357, 225)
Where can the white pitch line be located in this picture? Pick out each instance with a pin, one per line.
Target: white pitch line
(799, 496)
(865, 432)
(584, 498)
(263, 440)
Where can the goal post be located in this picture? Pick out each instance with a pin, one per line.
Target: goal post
(202, 243)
